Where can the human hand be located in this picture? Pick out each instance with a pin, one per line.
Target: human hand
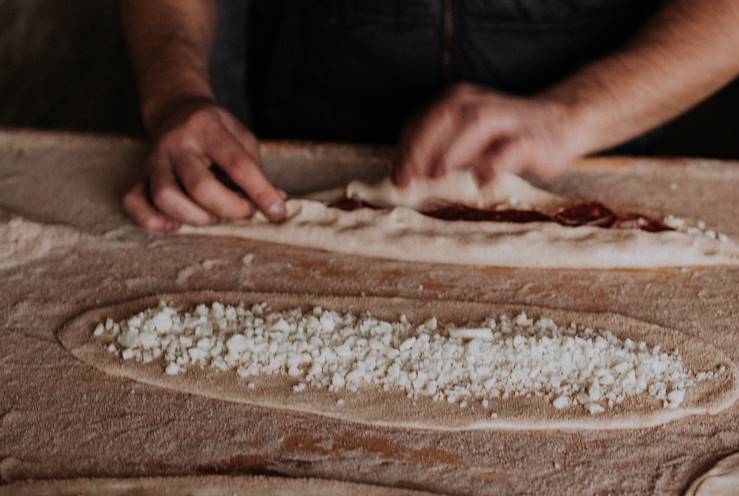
(486, 131)
(179, 187)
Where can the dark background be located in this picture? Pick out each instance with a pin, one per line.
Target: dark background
(63, 66)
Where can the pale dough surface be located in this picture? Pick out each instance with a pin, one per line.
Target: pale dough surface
(375, 407)
(460, 188)
(213, 485)
(404, 234)
(721, 480)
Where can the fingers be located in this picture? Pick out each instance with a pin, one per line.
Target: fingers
(478, 128)
(483, 130)
(242, 134)
(243, 168)
(549, 168)
(249, 143)
(424, 147)
(518, 155)
(137, 206)
(207, 191)
(499, 157)
(423, 143)
(182, 187)
(169, 198)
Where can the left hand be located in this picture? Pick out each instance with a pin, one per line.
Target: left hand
(486, 131)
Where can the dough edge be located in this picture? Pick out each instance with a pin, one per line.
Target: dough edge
(76, 337)
(724, 471)
(404, 234)
(202, 484)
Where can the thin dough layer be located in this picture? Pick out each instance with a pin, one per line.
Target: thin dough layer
(375, 407)
(460, 188)
(405, 234)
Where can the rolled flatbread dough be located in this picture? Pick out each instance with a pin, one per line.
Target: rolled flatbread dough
(371, 405)
(721, 480)
(402, 233)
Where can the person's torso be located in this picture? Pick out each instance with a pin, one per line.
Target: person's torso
(354, 70)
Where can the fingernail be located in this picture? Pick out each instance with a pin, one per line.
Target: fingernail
(171, 226)
(277, 210)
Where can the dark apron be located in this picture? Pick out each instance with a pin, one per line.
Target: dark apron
(355, 70)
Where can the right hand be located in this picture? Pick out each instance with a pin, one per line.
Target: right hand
(179, 187)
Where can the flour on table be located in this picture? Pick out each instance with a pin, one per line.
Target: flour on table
(211, 264)
(184, 275)
(23, 240)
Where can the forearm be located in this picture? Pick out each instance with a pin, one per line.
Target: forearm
(169, 42)
(684, 54)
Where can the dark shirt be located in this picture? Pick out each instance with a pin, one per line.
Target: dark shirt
(355, 70)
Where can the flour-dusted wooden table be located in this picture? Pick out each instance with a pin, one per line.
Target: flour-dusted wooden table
(66, 246)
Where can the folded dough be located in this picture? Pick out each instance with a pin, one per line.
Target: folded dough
(460, 188)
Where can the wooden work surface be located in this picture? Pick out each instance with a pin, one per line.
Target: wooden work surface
(65, 247)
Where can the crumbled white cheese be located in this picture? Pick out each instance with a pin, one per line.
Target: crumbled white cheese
(99, 330)
(562, 402)
(172, 369)
(502, 358)
(675, 398)
(699, 229)
(472, 333)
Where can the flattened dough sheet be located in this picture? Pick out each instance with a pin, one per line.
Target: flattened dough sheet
(375, 407)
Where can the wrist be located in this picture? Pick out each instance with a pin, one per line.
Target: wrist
(165, 115)
(596, 117)
(571, 124)
(161, 107)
